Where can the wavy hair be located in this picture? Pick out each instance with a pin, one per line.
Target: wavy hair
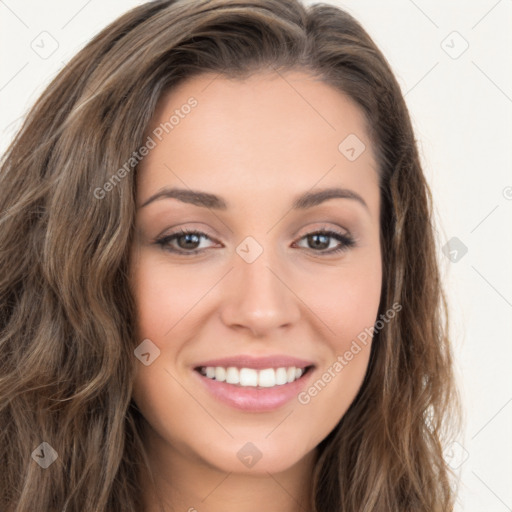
(66, 311)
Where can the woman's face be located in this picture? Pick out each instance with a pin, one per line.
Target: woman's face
(255, 290)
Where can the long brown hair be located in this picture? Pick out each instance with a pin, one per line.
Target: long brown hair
(67, 314)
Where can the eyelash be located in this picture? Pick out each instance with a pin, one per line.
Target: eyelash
(346, 241)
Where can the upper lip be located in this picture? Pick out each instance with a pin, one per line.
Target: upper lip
(257, 363)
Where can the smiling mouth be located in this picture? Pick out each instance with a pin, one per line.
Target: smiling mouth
(253, 378)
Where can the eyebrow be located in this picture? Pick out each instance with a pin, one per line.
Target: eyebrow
(207, 200)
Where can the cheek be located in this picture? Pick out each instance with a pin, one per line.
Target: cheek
(165, 296)
(345, 299)
(346, 303)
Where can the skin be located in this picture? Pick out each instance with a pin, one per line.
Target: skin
(258, 143)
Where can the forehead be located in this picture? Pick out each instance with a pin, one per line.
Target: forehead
(270, 131)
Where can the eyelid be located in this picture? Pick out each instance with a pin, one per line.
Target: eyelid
(322, 226)
(185, 228)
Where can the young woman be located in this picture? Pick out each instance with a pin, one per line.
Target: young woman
(219, 283)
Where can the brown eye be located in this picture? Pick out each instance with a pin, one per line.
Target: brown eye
(319, 241)
(188, 240)
(183, 241)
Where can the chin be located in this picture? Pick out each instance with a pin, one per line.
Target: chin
(257, 457)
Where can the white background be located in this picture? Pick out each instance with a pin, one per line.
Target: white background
(461, 105)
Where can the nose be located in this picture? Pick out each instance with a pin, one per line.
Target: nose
(260, 298)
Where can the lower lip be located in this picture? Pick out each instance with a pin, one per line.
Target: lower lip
(255, 399)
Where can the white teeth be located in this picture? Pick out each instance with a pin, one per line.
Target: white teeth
(220, 373)
(247, 377)
(267, 378)
(232, 376)
(281, 376)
